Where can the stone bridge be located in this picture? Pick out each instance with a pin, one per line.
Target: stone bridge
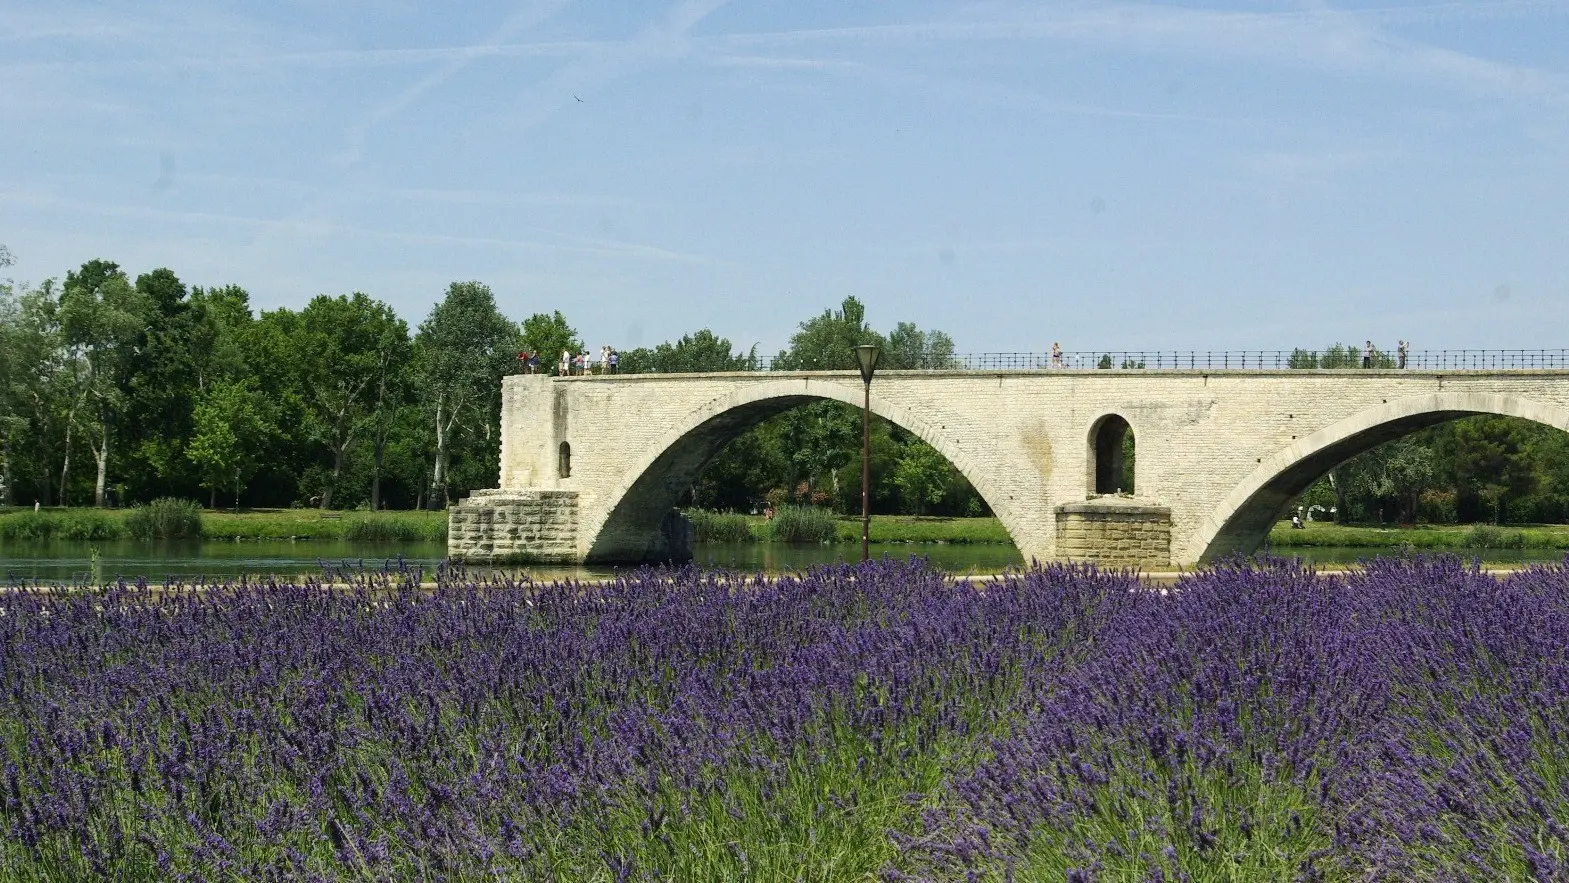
(591, 467)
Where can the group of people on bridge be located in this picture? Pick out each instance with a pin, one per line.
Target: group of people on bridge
(574, 364)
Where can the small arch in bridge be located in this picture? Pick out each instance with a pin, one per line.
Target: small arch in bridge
(1111, 456)
(564, 461)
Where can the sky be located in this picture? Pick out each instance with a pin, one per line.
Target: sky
(1174, 175)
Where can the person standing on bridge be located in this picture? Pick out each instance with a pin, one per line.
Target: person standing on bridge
(1056, 354)
(1401, 351)
(565, 367)
(1367, 355)
(615, 361)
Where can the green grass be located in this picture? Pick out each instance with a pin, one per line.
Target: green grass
(62, 524)
(1435, 536)
(303, 524)
(721, 527)
(166, 518)
(925, 529)
(726, 527)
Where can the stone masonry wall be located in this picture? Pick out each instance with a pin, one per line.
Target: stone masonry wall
(1115, 532)
(514, 527)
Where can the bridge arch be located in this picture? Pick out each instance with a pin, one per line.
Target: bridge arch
(630, 531)
(1244, 517)
(1107, 436)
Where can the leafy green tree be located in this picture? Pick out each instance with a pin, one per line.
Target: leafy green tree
(1302, 359)
(921, 474)
(827, 342)
(104, 319)
(1338, 355)
(909, 347)
(701, 352)
(549, 335)
(233, 425)
(220, 319)
(37, 387)
(340, 349)
(464, 348)
(160, 387)
(13, 422)
(1485, 457)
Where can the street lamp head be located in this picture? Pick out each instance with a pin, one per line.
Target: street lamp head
(866, 356)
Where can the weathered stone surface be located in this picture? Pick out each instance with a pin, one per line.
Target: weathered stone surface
(1224, 451)
(514, 527)
(1115, 532)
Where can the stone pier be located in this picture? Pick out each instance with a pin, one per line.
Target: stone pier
(1115, 531)
(514, 527)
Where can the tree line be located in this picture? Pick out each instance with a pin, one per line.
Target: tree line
(116, 390)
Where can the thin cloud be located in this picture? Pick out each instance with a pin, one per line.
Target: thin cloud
(1304, 165)
(494, 198)
(1325, 38)
(315, 229)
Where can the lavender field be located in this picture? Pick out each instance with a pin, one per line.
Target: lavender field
(1407, 722)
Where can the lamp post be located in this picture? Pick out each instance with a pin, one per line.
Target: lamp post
(866, 357)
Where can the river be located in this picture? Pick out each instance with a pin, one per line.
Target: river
(63, 560)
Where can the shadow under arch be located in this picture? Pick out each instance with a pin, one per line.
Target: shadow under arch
(1244, 518)
(630, 531)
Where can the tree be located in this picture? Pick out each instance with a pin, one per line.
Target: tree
(697, 353)
(103, 318)
(909, 347)
(12, 369)
(549, 335)
(827, 342)
(233, 425)
(921, 474)
(465, 346)
(36, 386)
(1485, 457)
(220, 318)
(341, 348)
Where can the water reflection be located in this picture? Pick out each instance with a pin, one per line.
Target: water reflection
(69, 560)
(62, 560)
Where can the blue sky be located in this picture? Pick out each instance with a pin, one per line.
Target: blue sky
(1110, 175)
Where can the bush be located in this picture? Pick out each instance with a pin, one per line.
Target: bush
(69, 524)
(167, 518)
(387, 528)
(719, 527)
(802, 524)
(1486, 536)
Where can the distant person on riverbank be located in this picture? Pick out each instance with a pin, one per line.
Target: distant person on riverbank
(1367, 355)
(1056, 355)
(1400, 352)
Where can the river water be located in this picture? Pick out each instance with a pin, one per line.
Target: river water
(61, 560)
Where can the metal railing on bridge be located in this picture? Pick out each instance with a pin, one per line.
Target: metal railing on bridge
(1258, 360)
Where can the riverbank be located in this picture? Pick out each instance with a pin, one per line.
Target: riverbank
(1424, 536)
(257, 524)
(423, 526)
(730, 527)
